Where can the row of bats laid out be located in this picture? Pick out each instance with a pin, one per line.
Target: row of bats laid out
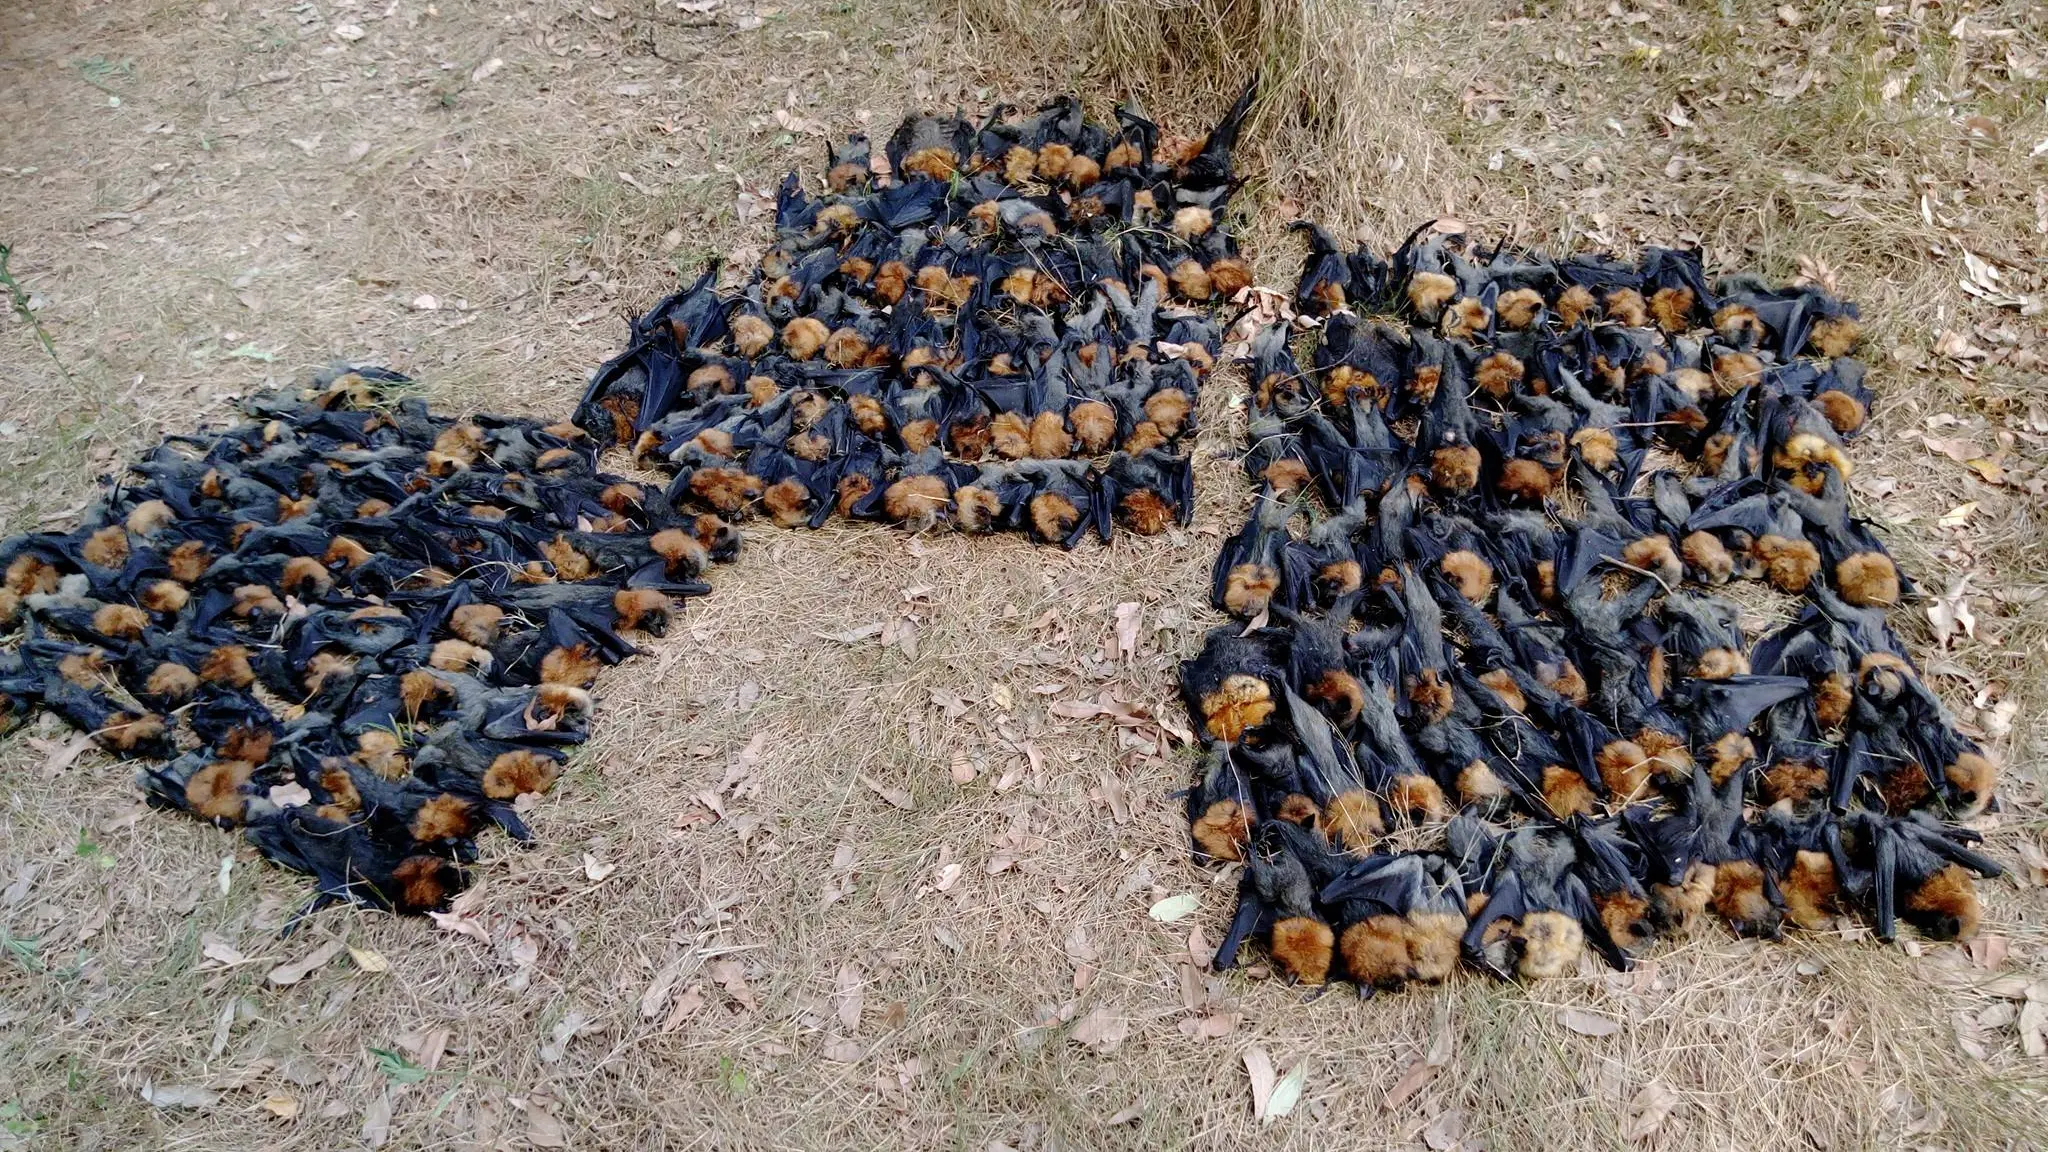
(1009, 331)
(360, 632)
(356, 631)
(1479, 607)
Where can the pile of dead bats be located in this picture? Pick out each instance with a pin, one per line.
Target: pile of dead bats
(356, 631)
(1005, 327)
(1485, 705)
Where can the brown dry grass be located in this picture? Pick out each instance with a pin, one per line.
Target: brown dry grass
(175, 234)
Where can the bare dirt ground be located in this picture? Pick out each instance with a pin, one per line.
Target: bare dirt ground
(861, 855)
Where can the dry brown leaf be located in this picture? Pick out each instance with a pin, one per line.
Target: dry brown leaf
(285, 974)
(686, 1006)
(282, 1105)
(2036, 862)
(220, 951)
(369, 959)
(733, 978)
(1950, 613)
(1101, 1029)
(543, 1130)
(1418, 1074)
(426, 1047)
(1648, 1111)
(376, 1129)
(848, 994)
(1988, 952)
(656, 996)
(1446, 1132)
(1258, 1064)
(462, 924)
(179, 1095)
(1214, 1026)
(897, 797)
(596, 870)
(572, 1024)
(57, 757)
(1128, 615)
(1126, 1114)
(840, 1050)
(2033, 1025)
(1588, 1023)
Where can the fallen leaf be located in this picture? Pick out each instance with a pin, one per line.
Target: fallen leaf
(572, 1023)
(1287, 1093)
(897, 797)
(840, 1050)
(2033, 1026)
(1126, 1114)
(1950, 613)
(656, 995)
(376, 1130)
(1101, 1029)
(1958, 516)
(1175, 908)
(57, 757)
(282, 1106)
(686, 1006)
(1259, 1066)
(2036, 862)
(1211, 1027)
(852, 635)
(220, 951)
(1418, 1074)
(485, 70)
(596, 870)
(733, 978)
(1128, 615)
(543, 1130)
(460, 923)
(290, 795)
(349, 32)
(1446, 1132)
(179, 1095)
(1588, 1023)
(1988, 952)
(1648, 1111)
(847, 996)
(369, 959)
(286, 974)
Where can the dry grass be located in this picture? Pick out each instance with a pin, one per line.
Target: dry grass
(179, 234)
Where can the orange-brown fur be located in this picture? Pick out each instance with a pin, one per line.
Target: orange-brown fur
(1945, 906)
(229, 665)
(444, 817)
(916, 501)
(1428, 292)
(1868, 579)
(1338, 694)
(1249, 588)
(1303, 949)
(1739, 897)
(120, 621)
(1654, 554)
(1419, 798)
(423, 882)
(1455, 468)
(1626, 306)
(788, 503)
(1094, 426)
(129, 732)
(1053, 516)
(1010, 436)
(1672, 308)
(1499, 375)
(1048, 437)
(215, 791)
(164, 596)
(1223, 830)
(1574, 303)
(1238, 705)
(1796, 780)
(1146, 512)
(1526, 480)
(1566, 793)
(1517, 308)
(1720, 664)
(1790, 565)
(641, 607)
(1843, 412)
(1353, 820)
(1811, 891)
(517, 773)
(1624, 767)
(1167, 408)
(975, 509)
(1707, 558)
(575, 664)
(1728, 755)
(1834, 335)
(1467, 318)
(1974, 776)
(246, 742)
(171, 681)
(728, 490)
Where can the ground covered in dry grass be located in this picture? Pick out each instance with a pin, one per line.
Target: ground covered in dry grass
(862, 854)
